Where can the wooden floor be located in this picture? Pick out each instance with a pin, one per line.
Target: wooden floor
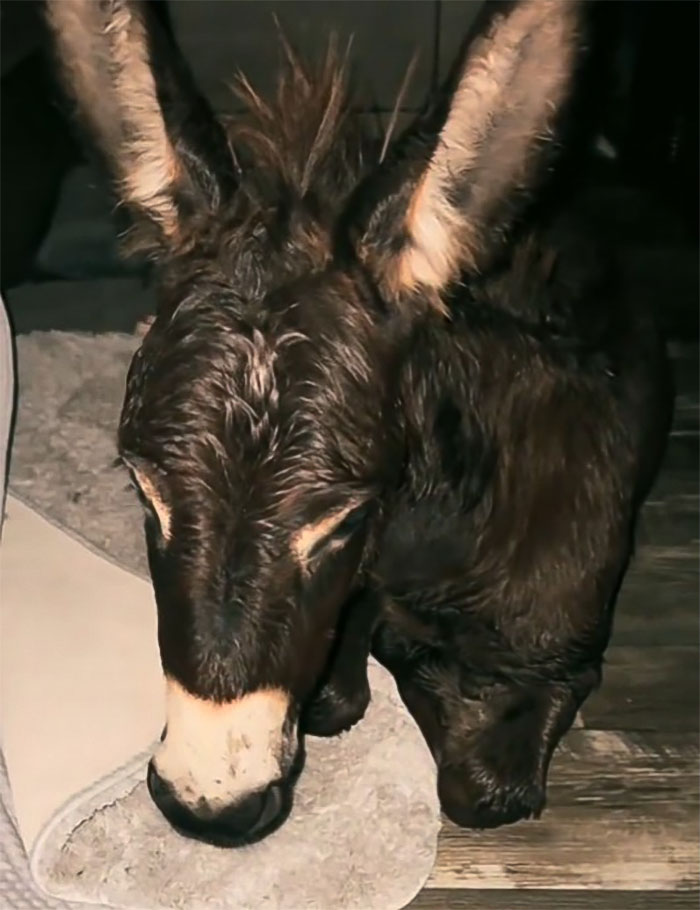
(621, 828)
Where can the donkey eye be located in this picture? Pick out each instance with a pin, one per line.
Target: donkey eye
(147, 505)
(153, 519)
(342, 531)
(351, 522)
(140, 494)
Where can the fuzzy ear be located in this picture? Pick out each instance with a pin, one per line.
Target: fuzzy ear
(451, 200)
(104, 48)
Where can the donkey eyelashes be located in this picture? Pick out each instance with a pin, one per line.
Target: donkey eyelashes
(341, 533)
(352, 520)
(147, 505)
(156, 509)
(337, 535)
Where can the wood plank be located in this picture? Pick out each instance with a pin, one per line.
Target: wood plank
(676, 486)
(663, 579)
(658, 603)
(646, 688)
(468, 899)
(623, 815)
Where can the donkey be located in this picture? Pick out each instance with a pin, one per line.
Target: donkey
(391, 407)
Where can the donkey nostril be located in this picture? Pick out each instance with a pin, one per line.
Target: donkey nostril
(242, 817)
(163, 795)
(252, 817)
(267, 807)
(156, 785)
(248, 820)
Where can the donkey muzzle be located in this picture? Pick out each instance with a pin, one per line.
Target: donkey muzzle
(250, 819)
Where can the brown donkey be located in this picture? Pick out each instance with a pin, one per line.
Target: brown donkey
(394, 407)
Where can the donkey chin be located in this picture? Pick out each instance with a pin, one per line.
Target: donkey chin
(224, 773)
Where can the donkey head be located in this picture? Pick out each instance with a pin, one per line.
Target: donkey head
(262, 423)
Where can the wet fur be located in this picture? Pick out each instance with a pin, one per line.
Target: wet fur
(503, 422)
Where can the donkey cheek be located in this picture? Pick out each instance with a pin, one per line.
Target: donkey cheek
(312, 653)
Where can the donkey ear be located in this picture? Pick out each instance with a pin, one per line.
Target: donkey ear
(448, 205)
(142, 123)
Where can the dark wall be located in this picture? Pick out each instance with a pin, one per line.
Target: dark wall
(36, 143)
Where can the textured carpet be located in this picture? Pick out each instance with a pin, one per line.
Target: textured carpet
(70, 394)
(364, 826)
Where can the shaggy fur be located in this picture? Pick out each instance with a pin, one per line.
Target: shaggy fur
(422, 351)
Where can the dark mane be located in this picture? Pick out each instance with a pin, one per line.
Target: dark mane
(299, 154)
(303, 142)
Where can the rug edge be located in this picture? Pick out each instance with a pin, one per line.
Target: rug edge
(29, 503)
(76, 810)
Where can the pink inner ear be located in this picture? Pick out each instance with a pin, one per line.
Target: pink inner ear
(491, 149)
(438, 238)
(105, 57)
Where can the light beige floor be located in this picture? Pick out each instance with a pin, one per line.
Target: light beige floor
(80, 681)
